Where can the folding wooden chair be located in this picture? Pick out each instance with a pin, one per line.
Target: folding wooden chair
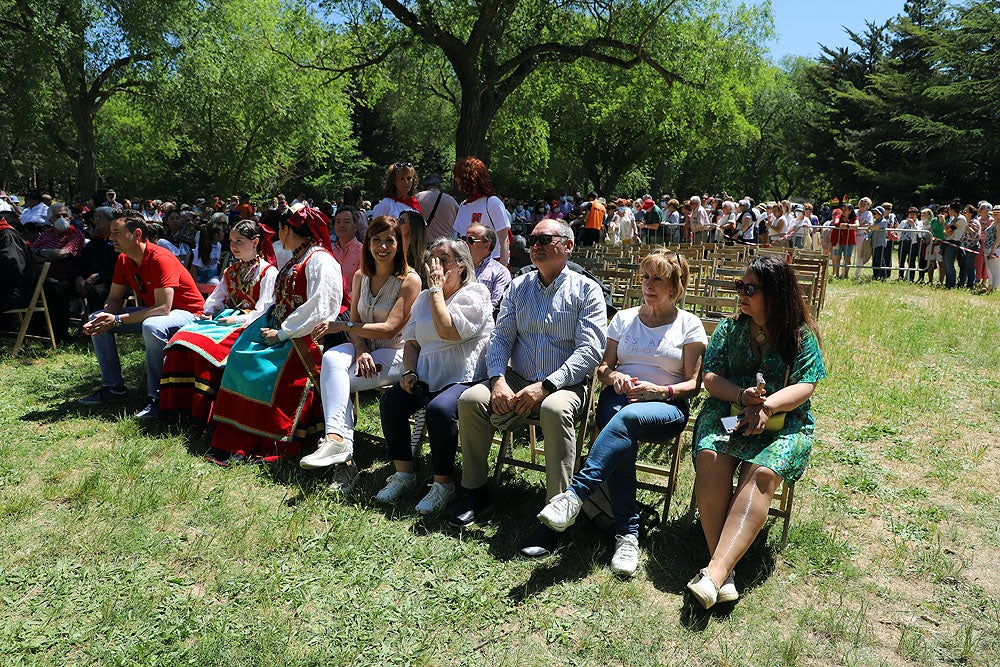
(37, 304)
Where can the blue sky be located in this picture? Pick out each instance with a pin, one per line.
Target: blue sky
(802, 25)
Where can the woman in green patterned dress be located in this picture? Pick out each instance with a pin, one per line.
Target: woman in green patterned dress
(773, 335)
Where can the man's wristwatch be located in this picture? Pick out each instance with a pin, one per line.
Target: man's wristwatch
(548, 386)
(118, 320)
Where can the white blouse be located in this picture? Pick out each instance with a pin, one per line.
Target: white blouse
(324, 291)
(443, 362)
(216, 302)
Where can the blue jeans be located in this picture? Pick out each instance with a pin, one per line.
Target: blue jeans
(949, 253)
(156, 331)
(612, 456)
(967, 267)
(395, 409)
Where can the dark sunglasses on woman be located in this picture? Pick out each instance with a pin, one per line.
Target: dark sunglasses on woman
(746, 289)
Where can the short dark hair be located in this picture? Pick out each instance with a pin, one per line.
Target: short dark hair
(133, 220)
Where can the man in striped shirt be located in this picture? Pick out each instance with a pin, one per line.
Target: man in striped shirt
(550, 334)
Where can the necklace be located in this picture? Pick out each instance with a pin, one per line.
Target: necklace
(761, 335)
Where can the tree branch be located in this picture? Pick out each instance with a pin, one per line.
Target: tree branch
(102, 78)
(337, 71)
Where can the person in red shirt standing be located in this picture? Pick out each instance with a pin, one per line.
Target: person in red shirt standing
(169, 299)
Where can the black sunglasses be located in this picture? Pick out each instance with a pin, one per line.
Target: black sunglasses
(473, 241)
(401, 165)
(544, 239)
(746, 289)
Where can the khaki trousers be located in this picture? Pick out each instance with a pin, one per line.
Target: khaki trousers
(557, 415)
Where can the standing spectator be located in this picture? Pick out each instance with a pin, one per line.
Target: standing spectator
(865, 220)
(245, 208)
(673, 220)
(440, 208)
(935, 247)
(878, 236)
(59, 243)
(845, 239)
(954, 231)
(550, 335)
(909, 248)
(971, 242)
(891, 223)
(593, 226)
(169, 298)
(700, 221)
(991, 249)
(348, 249)
(491, 273)
(481, 205)
(397, 192)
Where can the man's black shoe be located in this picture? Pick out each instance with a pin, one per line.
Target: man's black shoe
(541, 543)
(476, 505)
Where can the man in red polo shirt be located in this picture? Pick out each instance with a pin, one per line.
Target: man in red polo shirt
(169, 297)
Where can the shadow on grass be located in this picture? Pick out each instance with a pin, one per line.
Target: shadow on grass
(678, 550)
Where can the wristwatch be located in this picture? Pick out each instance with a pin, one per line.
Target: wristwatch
(118, 320)
(405, 373)
(350, 324)
(548, 386)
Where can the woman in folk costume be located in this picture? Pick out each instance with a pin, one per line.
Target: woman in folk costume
(268, 404)
(196, 355)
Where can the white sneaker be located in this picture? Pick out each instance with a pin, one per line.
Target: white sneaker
(436, 499)
(626, 558)
(562, 510)
(328, 453)
(396, 485)
(727, 591)
(345, 476)
(704, 589)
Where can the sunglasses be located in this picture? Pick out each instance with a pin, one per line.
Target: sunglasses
(473, 241)
(543, 239)
(746, 289)
(403, 165)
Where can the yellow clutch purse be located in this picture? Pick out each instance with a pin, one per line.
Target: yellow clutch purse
(776, 422)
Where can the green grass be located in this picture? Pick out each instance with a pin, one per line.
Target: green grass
(121, 546)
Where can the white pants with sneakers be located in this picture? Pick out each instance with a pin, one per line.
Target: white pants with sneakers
(338, 380)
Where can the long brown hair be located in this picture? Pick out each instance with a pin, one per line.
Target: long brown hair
(380, 224)
(785, 309)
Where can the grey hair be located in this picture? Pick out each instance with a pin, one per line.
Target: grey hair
(105, 212)
(54, 210)
(462, 256)
(695, 200)
(220, 218)
(488, 232)
(728, 206)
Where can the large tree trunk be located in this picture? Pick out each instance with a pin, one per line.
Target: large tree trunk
(476, 114)
(86, 166)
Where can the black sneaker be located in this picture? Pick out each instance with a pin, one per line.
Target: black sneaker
(150, 412)
(476, 505)
(105, 395)
(540, 543)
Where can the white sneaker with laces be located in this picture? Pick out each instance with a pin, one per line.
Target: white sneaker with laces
(562, 510)
(329, 452)
(436, 499)
(397, 484)
(345, 476)
(727, 591)
(626, 558)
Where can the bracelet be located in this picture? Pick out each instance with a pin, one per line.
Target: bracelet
(766, 410)
(670, 392)
(739, 399)
(435, 290)
(405, 373)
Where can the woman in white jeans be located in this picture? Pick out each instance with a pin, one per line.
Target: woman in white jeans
(381, 296)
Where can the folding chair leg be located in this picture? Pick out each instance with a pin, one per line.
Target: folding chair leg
(675, 455)
(25, 322)
(788, 516)
(506, 450)
(48, 321)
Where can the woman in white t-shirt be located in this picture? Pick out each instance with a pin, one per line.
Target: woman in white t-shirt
(398, 191)
(481, 205)
(650, 370)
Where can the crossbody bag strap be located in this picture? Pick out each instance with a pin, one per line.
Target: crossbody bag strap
(434, 208)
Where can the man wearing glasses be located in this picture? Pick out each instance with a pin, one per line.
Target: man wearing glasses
(493, 274)
(550, 334)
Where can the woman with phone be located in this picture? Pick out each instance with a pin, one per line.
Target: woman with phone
(761, 365)
(444, 354)
(382, 292)
(650, 369)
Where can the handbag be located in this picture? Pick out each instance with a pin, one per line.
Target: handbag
(775, 422)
